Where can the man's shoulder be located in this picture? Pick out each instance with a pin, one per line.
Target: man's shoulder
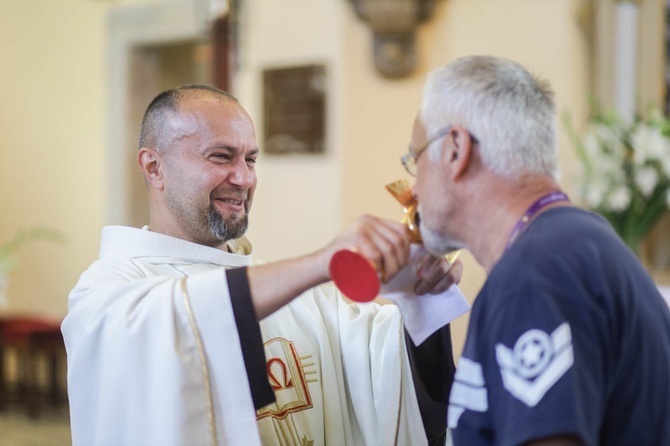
(110, 269)
(120, 241)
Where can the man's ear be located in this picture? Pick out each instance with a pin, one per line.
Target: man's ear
(459, 152)
(151, 165)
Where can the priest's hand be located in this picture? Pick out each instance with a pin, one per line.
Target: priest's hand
(385, 243)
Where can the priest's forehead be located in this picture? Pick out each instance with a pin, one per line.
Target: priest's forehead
(159, 125)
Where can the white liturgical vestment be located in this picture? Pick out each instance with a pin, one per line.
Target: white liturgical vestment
(155, 357)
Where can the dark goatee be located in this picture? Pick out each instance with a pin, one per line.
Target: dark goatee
(223, 230)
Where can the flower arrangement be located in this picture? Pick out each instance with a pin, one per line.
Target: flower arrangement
(625, 170)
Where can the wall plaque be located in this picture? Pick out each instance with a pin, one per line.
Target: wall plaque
(294, 106)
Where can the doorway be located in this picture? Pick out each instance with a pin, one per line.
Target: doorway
(152, 69)
(152, 47)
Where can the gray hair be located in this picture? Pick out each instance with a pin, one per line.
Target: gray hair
(510, 113)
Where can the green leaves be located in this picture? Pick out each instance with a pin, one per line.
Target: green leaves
(8, 248)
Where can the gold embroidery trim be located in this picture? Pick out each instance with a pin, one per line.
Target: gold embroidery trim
(400, 357)
(203, 361)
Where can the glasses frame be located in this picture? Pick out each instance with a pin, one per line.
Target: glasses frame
(410, 158)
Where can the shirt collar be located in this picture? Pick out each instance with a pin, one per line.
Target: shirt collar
(127, 242)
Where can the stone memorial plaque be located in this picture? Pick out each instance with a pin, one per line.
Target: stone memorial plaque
(294, 106)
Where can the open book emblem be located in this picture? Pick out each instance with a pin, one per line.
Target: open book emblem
(288, 378)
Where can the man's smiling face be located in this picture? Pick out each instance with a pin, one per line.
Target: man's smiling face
(209, 169)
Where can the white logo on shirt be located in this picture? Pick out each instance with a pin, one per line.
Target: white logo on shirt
(468, 391)
(536, 362)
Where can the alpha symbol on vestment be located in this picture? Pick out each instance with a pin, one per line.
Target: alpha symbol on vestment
(537, 361)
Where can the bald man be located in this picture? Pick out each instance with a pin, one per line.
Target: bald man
(163, 339)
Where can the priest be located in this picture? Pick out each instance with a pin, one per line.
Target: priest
(163, 336)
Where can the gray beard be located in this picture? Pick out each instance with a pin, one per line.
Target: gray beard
(223, 230)
(439, 244)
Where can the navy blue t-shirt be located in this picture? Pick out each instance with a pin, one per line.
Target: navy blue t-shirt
(568, 336)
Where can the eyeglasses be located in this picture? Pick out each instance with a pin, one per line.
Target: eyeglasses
(409, 159)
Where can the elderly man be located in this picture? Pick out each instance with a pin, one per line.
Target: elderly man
(163, 343)
(569, 339)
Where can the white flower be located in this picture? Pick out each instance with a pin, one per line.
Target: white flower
(594, 194)
(649, 144)
(625, 171)
(623, 161)
(610, 170)
(640, 140)
(592, 145)
(618, 199)
(646, 179)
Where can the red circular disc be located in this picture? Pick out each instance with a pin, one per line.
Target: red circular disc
(354, 275)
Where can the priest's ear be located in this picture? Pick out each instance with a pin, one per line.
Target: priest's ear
(151, 163)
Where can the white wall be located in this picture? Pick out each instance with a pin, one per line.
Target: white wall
(298, 204)
(51, 141)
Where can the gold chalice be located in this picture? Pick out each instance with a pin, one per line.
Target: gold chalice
(354, 274)
(402, 192)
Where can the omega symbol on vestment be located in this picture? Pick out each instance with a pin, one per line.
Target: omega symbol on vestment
(289, 374)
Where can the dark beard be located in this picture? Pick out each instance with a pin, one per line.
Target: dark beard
(223, 230)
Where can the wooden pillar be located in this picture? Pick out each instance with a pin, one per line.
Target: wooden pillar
(221, 60)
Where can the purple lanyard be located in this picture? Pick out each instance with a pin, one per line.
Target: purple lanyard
(534, 208)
